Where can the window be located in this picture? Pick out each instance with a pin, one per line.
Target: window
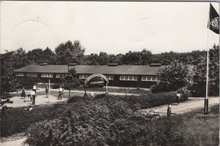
(110, 77)
(129, 78)
(61, 75)
(33, 75)
(149, 78)
(46, 75)
(19, 74)
(153, 78)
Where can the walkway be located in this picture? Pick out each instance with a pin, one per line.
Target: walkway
(187, 106)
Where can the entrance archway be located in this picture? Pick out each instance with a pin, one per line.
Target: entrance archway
(93, 77)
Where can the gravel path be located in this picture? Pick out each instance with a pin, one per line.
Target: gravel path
(189, 105)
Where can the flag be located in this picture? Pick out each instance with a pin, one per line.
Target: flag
(213, 23)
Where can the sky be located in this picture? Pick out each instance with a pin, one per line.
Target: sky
(112, 27)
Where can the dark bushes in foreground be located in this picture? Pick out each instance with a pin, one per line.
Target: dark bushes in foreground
(150, 99)
(104, 122)
(16, 120)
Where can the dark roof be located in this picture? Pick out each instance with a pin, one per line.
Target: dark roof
(91, 69)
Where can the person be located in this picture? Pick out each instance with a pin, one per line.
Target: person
(60, 93)
(46, 90)
(33, 97)
(169, 110)
(35, 88)
(23, 94)
(178, 98)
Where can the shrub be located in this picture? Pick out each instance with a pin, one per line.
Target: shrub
(55, 86)
(16, 120)
(78, 98)
(28, 82)
(147, 100)
(110, 121)
(185, 93)
(139, 130)
(80, 123)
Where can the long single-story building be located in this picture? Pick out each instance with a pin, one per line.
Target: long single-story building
(118, 75)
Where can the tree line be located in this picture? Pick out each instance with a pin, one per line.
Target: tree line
(70, 51)
(74, 52)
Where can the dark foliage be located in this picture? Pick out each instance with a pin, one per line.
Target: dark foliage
(173, 77)
(28, 83)
(16, 120)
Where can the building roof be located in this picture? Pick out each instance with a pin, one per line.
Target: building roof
(92, 69)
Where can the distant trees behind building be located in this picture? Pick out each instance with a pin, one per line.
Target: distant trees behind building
(75, 52)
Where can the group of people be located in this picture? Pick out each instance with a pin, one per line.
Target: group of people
(32, 94)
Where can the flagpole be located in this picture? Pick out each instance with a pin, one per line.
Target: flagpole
(206, 100)
(219, 61)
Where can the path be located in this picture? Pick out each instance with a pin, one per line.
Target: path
(187, 106)
(42, 100)
(16, 142)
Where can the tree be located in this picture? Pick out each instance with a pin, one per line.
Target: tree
(103, 58)
(200, 74)
(173, 77)
(92, 59)
(49, 56)
(137, 58)
(71, 81)
(69, 52)
(35, 56)
(8, 80)
(145, 57)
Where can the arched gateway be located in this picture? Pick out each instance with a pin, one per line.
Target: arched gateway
(96, 77)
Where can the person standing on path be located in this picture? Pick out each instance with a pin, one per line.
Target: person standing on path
(34, 88)
(34, 93)
(169, 111)
(178, 95)
(46, 90)
(23, 94)
(60, 93)
(33, 97)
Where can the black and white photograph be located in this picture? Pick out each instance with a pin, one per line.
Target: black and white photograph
(109, 73)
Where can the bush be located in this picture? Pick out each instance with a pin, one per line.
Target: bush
(160, 87)
(78, 98)
(16, 120)
(185, 93)
(28, 82)
(148, 100)
(81, 123)
(55, 86)
(111, 121)
(139, 130)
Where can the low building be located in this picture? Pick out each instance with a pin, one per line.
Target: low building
(118, 75)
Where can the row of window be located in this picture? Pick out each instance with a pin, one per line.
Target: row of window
(47, 75)
(149, 78)
(43, 75)
(83, 76)
(128, 78)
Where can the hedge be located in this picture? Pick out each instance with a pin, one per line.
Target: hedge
(16, 120)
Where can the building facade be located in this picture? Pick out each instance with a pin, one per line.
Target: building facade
(118, 75)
